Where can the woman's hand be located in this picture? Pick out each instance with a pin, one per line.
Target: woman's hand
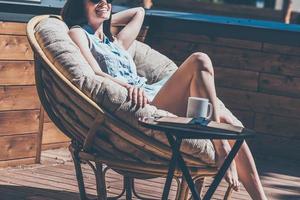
(133, 19)
(227, 117)
(137, 96)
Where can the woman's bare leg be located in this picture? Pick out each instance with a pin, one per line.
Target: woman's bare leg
(195, 77)
(244, 160)
(173, 97)
(247, 172)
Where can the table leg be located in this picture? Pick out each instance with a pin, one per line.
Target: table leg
(172, 167)
(237, 145)
(182, 166)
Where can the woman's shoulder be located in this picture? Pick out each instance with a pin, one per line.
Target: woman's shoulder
(76, 30)
(79, 36)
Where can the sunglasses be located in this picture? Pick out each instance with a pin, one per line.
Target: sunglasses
(100, 1)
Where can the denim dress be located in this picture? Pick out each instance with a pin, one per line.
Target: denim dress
(118, 63)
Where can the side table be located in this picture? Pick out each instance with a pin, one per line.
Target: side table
(175, 134)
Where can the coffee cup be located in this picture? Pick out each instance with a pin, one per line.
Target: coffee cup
(199, 108)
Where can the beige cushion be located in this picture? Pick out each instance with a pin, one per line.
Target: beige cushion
(52, 35)
(150, 63)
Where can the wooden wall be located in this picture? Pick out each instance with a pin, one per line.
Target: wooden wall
(259, 82)
(21, 117)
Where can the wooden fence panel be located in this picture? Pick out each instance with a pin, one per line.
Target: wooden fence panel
(12, 28)
(15, 48)
(234, 78)
(259, 82)
(51, 134)
(18, 98)
(17, 73)
(17, 147)
(280, 85)
(19, 122)
(221, 56)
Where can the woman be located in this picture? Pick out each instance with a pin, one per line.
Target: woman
(108, 57)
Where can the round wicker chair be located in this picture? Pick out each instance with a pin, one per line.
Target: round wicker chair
(91, 111)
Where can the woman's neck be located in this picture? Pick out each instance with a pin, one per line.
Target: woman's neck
(98, 29)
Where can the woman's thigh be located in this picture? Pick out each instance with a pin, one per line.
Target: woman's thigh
(173, 96)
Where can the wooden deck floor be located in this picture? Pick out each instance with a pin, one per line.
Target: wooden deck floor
(54, 179)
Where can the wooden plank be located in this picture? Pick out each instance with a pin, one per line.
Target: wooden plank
(18, 98)
(273, 146)
(231, 57)
(259, 102)
(46, 117)
(12, 28)
(246, 117)
(279, 178)
(207, 39)
(18, 146)
(34, 193)
(253, 60)
(51, 134)
(17, 73)
(55, 145)
(234, 78)
(18, 122)
(280, 126)
(175, 50)
(17, 162)
(15, 48)
(282, 49)
(280, 85)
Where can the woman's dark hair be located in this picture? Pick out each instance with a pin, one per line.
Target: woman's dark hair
(73, 13)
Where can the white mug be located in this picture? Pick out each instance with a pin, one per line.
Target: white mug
(199, 107)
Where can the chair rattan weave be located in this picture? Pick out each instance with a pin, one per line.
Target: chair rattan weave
(84, 121)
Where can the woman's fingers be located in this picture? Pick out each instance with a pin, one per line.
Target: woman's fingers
(146, 101)
(236, 185)
(140, 98)
(135, 96)
(130, 93)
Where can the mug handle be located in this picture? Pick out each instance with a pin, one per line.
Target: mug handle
(210, 110)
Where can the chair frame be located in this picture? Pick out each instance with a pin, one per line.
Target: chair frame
(80, 150)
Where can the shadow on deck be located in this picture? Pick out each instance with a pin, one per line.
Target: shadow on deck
(55, 179)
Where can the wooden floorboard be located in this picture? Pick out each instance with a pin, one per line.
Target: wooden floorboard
(55, 179)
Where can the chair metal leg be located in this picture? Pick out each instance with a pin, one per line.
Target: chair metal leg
(177, 179)
(75, 155)
(128, 184)
(199, 184)
(183, 193)
(100, 181)
(223, 169)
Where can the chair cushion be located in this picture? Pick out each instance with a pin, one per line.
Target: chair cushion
(52, 36)
(150, 63)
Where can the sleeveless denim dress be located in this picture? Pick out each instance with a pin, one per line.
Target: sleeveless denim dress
(118, 63)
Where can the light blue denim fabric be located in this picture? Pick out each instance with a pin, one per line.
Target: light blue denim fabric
(118, 63)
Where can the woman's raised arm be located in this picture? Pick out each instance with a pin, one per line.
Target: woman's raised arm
(133, 19)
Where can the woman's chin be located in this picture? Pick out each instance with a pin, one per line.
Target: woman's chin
(103, 16)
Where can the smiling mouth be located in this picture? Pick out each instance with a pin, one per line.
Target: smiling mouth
(101, 9)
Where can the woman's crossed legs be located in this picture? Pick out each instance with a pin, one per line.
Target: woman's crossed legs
(195, 77)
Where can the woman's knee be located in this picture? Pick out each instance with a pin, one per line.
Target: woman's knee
(203, 62)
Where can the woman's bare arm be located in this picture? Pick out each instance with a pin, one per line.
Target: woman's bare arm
(135, 94)
(79, 37)
(133, 18)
